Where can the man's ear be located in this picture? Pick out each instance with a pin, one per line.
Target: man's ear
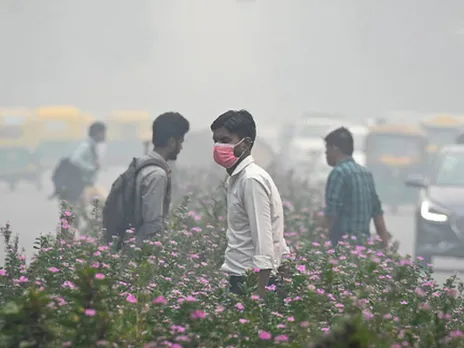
(249, 142)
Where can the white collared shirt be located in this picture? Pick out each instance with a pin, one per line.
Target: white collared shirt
(255, 218)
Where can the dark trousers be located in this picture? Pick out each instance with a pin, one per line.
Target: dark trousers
(236, 284)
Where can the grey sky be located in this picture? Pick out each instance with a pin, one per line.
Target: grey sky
(276, 57)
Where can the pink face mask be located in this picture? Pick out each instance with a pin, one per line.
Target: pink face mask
(224, 155)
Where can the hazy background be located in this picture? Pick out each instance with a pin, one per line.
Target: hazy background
(276, 57)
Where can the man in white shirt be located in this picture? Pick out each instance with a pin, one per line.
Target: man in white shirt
(255, 218)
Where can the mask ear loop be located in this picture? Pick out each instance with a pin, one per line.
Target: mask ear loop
(251, 143)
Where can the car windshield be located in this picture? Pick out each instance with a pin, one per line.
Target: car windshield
(449, 170)
(442, 136)
(394, 145)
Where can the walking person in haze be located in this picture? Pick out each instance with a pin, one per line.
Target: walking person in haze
(254, 208)
(351, 200)
(86, 155)
(153, 184)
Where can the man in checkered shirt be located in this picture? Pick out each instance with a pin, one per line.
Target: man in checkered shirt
(351, 200)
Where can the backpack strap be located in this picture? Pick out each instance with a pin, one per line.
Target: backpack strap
(139, 165)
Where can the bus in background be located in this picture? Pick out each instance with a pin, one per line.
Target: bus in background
(18, 139)
(128, 131)
(61, 129)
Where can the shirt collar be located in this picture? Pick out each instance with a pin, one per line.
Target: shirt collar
(245, 163)
(346, 159)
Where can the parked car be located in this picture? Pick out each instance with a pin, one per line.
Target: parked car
(439, 215)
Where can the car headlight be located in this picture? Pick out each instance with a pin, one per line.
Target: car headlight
(431, 212)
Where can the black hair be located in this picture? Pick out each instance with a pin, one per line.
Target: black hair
(460, 139)
(95, 128)
(238, 122)
(341, 138)
(169, 125)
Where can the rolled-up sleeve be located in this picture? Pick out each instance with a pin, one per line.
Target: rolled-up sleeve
(257, 203)
(153, 190)
(376, 204)
(334, 193)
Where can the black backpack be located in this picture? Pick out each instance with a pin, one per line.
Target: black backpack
(67, 181)
(119, 210)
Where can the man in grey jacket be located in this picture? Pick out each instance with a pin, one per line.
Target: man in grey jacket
(153, 186)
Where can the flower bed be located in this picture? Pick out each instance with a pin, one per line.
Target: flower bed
(78, 293)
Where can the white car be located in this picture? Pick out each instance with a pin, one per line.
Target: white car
(307, 141)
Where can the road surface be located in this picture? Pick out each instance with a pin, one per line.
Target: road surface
(30, 214)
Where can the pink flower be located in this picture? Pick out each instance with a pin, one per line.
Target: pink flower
(131, 298)
(281, 338)
(240, 307)
(68, 284)
(368, 315)
(90, 312)
(99, 276)
(457, 333)
(243, 321)
(255, 297)
(291, 319)
(23, 279)
(190, 299)
(420, 292)
(404, 302)
(2, 272)
(301, 268)
(452, 292)
(53, 270)
(264, 335)
(160, 300)
(198, 314)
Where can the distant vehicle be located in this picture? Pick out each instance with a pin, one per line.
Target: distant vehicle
(439, 216)
(359, 133)
(307, 140)
(128, 130)
(441, 130)
(394, 151)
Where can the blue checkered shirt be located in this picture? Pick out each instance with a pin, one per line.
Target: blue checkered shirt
(351, 198)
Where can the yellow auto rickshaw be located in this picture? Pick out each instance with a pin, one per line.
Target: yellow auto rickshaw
(17, 143)
(127, 132)
(394, 152)
(440, 131)
(61, 129)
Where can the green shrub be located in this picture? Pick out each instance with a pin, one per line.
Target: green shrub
(76, 292)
